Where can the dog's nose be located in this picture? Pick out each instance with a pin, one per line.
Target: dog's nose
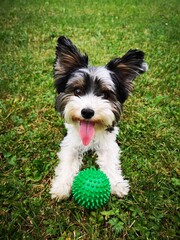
(87, 113)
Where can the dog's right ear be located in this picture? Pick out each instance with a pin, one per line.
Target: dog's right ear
(125, 69)
(68, 58)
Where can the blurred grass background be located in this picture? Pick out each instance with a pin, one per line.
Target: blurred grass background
(31, 130)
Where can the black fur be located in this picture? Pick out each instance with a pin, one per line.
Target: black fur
(69, 59)
(124, 70)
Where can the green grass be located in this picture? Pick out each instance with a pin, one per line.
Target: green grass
(31, 130)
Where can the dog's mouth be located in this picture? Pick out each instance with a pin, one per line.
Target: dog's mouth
(86, 132)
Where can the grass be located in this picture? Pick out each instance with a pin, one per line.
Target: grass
(31, 130)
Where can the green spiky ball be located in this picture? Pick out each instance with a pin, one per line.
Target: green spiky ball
(91, 188)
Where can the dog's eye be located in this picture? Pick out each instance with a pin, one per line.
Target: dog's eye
(78, 92)
(105, 95)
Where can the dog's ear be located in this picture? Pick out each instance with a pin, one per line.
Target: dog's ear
(124, 70)
(68, 58)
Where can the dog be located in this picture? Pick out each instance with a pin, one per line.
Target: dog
(90, 100)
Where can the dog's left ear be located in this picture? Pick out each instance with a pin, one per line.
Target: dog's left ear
(68, 58)
(125, 70)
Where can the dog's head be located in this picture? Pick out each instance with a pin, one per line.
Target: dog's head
(91, 98)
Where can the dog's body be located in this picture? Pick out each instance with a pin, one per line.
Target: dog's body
(90, 99)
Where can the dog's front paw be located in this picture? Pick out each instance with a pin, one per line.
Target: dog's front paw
(120, 189)
(60, 189)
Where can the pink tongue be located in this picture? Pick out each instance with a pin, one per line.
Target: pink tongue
(86, 132)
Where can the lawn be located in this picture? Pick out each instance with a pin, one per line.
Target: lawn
(31, 130)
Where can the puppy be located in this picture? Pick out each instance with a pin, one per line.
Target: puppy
(90, 100)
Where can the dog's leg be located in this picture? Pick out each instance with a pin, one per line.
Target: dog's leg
(108, 161)
(70, 162)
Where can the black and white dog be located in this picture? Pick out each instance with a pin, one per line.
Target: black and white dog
(90, 100)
